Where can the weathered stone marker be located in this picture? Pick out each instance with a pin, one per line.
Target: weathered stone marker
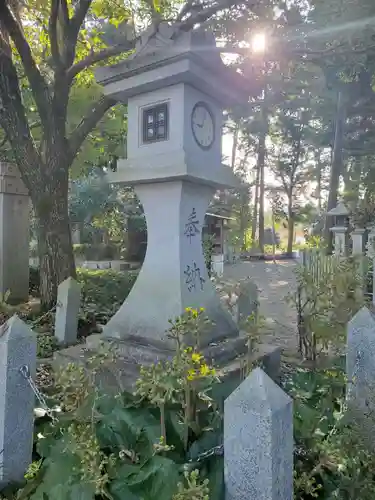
(14, 234)
(175, 86)
(67, 309)
(258, 441)
(17, 350)
(248, 300)
(360, 363)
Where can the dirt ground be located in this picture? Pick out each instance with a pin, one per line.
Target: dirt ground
(274, 281)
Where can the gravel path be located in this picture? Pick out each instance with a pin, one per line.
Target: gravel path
(275, 281)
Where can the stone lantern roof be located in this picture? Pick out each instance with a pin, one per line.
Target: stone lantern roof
(164, 56)
(339, 210)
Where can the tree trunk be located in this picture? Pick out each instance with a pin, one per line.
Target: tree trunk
(261, 158)
(261, 162)
(290, 224)
(319, 179)
(235, 146)
(337, 165)
(255, 212)
(54, 243)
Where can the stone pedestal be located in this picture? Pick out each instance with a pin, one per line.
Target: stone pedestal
(174, 274)
(370, 246)
(76, 234)
(341, 239)
(358, 241)
(14, 234)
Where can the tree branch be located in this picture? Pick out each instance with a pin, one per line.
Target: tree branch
(96, 57)
(38, 84)
(64, 12)
(88, 123)
(205, 14)
(185, 9)
(14, 123)
(78, 18)
(3, 142)
(52, 32)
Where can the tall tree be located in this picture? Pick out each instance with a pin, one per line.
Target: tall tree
(52, 45)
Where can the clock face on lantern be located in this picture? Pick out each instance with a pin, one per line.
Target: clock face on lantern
(203, 125)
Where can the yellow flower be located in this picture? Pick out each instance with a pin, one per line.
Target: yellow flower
(188, 309)
(205, 370)
(191, 375)
(202, 309)
(195, 357)
(194, 313)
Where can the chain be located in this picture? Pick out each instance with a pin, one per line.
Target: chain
(215, 451)
(25, 372)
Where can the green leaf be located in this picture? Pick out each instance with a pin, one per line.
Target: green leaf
(156, 4)
(129, 428)
(157, 478)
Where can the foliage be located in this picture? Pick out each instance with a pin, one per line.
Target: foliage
(328, 294)
(104, 291)
(124, 446)
(96, 252)
(208, 249)
(46, 344)
(332, 457)
(193, 490)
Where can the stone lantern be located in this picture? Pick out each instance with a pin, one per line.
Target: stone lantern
(175, 86)
(340, 228)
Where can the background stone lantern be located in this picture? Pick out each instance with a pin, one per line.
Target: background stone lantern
(340, 228)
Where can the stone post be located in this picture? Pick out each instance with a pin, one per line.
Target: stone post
(14, 234)
(258, 441)
(76, 234)
(248, 301)
(17, 349)
(358, 241)
(340, 235)
(67, 310)
(360, 367)
(358, 251)
(370, 245)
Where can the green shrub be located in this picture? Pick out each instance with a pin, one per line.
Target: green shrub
(332, 459)
(96, 252)
(103, 291)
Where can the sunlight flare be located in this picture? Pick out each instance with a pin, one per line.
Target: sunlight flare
(258, 42)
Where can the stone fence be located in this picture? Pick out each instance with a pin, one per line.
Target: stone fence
(258, 415)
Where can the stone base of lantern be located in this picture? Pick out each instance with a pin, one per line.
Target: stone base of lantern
(174, 275)
(229, 357)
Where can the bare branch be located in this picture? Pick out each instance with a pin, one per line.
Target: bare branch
(52, 32)
(79, 18)
(88, 123)
(96, 57)
(38, 84)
